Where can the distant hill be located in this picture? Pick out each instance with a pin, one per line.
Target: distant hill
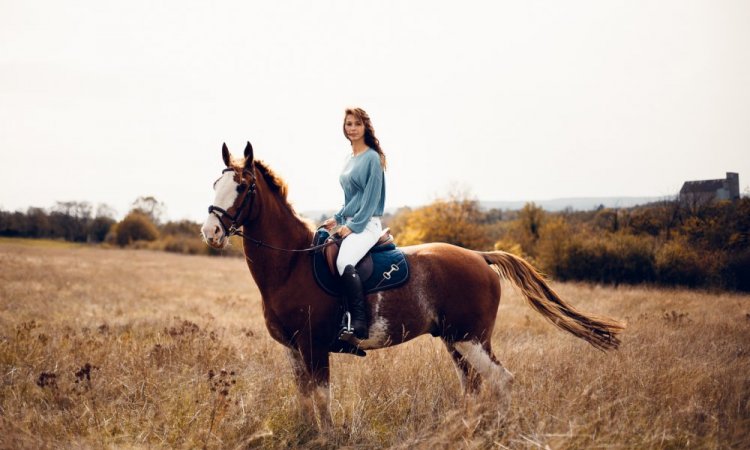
(575, 203)
(556, 204)
(317, 215)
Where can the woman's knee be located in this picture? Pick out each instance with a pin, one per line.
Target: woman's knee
(341, 265)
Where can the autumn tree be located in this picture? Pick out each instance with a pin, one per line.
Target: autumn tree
(455, 220)
(553, 245)
(136, 226)
(528, 227)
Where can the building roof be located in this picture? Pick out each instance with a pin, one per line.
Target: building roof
(691, 187)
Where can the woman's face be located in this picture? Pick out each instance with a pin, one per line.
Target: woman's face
(354, 128)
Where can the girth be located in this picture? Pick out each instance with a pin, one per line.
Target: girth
(365, 265)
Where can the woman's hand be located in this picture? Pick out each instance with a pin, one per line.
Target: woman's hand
(344, 231)
(329, 224)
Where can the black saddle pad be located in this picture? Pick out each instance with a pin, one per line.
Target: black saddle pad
(390, 268)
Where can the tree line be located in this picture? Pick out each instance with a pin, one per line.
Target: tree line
(667, 243)
(70, 221)
(142, 228)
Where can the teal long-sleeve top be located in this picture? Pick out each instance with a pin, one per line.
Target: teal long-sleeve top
(363, 182)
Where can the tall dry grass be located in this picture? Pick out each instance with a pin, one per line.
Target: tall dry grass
(131, 349)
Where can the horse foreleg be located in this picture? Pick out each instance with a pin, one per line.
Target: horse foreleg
(311, 374)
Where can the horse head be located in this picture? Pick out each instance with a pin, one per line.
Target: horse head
(233, 203)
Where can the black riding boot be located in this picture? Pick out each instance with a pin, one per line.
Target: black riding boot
(355, 299)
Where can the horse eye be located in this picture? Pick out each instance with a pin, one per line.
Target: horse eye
(240, 188)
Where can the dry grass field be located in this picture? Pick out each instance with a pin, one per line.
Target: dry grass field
(138, 349)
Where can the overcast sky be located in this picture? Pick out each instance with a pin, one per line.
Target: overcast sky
(106, 101)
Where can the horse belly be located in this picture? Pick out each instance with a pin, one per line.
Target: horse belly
(461, 289)
(395, 317)
(451, 292)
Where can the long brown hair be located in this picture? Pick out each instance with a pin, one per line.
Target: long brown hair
(370, 138)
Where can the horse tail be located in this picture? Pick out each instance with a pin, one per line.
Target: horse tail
(601, 332)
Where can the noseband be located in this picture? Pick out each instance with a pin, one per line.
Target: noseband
(246, 206)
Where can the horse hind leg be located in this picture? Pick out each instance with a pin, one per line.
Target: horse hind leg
(480, 358)
(469, 378)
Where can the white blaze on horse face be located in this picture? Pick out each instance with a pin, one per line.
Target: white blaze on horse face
(226, 194)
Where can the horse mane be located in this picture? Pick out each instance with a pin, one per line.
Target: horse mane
(279, 186)
(275, 182)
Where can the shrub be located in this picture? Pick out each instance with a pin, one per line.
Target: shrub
(134, 227)
(645, 221)
(679, 264)
(736, 273)
(186, 245)
(553, 245)
(636, 257)
(183, 227)
(607, 219)
(609, 259)
(528, 228)
(583, 261)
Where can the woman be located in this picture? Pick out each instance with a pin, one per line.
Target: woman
(364, 198)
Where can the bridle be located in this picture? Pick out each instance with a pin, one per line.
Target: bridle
(244, 209)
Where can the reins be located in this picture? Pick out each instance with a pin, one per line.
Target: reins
(234, 226)
(304, 250)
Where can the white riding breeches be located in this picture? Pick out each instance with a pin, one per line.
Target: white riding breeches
(355, 246)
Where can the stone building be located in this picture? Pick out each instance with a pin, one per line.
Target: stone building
(702, 192)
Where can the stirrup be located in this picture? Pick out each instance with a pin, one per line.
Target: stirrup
(346, 333)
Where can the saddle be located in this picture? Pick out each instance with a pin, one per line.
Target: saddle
(384, 266)
(365, 265)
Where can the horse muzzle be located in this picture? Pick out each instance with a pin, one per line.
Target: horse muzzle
(213, 233)
(219, 244)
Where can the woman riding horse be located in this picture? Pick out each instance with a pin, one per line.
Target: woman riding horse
(453, 293)
(364, 196)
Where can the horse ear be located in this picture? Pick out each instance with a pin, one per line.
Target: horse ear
(225, 154)
(248, 154)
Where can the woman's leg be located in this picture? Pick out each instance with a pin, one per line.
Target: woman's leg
(356, 245)
(353, 248)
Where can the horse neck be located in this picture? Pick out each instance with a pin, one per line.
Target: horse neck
(278, 226)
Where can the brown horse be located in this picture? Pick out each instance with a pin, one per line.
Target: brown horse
(453, 293)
